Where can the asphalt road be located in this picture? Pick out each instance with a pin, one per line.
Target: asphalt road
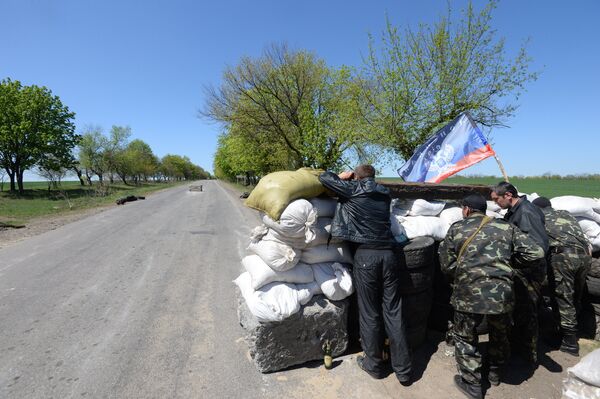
(137, 302)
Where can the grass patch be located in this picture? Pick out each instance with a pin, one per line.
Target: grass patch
(547, 187)
(38, 201)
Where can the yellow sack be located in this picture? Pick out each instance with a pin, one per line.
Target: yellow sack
(276, 190)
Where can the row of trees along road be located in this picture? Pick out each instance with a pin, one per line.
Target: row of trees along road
(37, 132)
(287, 109)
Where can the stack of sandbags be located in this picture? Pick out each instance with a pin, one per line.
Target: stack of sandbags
(418, 218)
(587, 213)
(280, 276)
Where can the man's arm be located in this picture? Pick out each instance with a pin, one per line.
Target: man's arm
(448, 255)
(533, 225)
(343, 188)
(528, 256)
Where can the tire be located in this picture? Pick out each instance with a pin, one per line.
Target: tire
(593, 285)
(418, 252)
(413, 281)
(415, 312)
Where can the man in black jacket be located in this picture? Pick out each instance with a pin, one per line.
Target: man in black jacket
(530, 220)
(363, 218)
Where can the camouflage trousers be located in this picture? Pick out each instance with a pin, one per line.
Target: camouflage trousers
(567, 281)
(466, 339)
(525, 332)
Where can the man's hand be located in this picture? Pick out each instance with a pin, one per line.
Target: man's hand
(348, 175)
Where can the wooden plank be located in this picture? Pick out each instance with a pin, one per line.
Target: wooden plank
(436, 191)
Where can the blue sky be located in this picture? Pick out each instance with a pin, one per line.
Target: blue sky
(144, 64)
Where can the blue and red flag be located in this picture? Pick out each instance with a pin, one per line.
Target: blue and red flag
(451, 149)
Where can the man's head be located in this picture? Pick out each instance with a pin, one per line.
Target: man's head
(473, 203)
(542, 202)
(364, 171)
(505, 195)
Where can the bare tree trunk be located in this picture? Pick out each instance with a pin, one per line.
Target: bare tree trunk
(20, 181)
(79, 175)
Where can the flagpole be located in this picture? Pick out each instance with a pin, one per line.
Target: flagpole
(501, 167)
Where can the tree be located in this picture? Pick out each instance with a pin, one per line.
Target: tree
(422, 79)
(34, 125)
(91, 152)
(116, 143)
(286, 99)
(136, 161)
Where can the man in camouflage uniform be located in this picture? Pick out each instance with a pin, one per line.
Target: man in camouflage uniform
(569, 259)
(527, 283)
(477, 253)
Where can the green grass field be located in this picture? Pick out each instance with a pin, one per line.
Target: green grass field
(547, 187)
(38, 201)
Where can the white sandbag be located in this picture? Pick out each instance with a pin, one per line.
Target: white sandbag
(325, 207)
(296, 221)
(595, 244)
(451, 215)
(322, 229)
(276, 255)
(493, 214)
(422, 207)
(273, 302)
(492, 206)
(529, 197)
(588, 369)
(306, 291)
(590, 228)
(262, 274)
(334, 280)
(401, 207)
(578, 206)
(335, 252)
(296, 243)
(418, 226)
(574, 388)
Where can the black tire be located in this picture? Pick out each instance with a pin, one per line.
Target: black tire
(415, 312)
(593, 285)
(418, 252)
(414, 281)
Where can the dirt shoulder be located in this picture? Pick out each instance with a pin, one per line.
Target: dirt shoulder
(34, 227)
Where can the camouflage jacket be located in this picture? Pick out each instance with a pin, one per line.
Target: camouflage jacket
(483, 275)
(563, 230)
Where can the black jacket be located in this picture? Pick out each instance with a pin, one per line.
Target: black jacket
(530, 220)
(363, 210)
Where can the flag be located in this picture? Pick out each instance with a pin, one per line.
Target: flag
(451, 149)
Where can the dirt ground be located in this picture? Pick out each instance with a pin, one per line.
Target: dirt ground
(9, 235)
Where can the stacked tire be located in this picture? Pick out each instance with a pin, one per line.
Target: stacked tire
(416, 262)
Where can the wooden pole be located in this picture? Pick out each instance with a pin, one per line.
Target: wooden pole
(501, 168)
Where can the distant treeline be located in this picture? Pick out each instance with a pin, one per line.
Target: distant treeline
(37, 132)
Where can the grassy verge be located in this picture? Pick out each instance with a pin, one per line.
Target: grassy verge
(548, 187)
(239, 187)
(38, 201)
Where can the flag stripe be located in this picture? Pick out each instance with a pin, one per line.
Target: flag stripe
(472, 158)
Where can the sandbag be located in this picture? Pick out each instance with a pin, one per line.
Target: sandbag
(590, 228)
(334, 280)
(262, 274)
(421, 207)
(578, 206)
(451, 215)
(324, 206)
(276, 255)
(397, 230)
(419, 226)
(335, 252)
(306, 291)
(273, 302)
(322, 229)
(492, 206)
(296, 243)
(493, 214)
(588, 369)
(296, 221)
(276, 190)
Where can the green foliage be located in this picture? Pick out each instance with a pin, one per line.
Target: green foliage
(419, 80)
(285, 102)
(35, 129)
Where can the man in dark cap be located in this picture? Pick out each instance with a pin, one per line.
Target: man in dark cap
(569, 260)
(530, 220)
(477, 254)
(362, 217)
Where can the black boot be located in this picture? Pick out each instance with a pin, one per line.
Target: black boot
(570, 345)
(471, 390)
(494, 378)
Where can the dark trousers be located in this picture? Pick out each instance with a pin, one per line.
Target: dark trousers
(376, 279)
